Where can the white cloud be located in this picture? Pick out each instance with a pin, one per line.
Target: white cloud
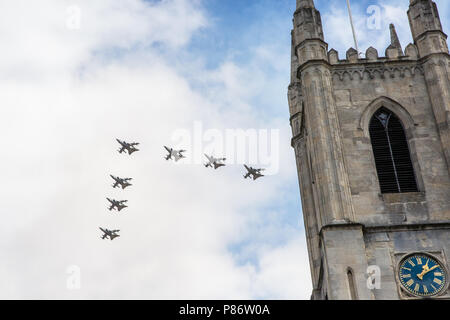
(65, 95)
(275, 272)
(40, 44)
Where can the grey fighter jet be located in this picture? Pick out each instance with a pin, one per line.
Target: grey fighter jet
(129, 147)
(255, 173)
(119, 205)
(124, 183)
(174, 154)
(112, 234)
(214, 162)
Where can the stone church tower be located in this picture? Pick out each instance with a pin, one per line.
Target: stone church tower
(372, 143)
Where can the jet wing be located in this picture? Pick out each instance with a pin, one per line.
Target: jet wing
(122, 143)
(218, 165)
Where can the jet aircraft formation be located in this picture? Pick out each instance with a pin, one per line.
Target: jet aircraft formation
(123, 183)
(213, 162)
(175, 155)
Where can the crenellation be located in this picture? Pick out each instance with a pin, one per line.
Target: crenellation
(372, 54)
(352, 55)
(411, 52)
(333, 56)
(392, 53)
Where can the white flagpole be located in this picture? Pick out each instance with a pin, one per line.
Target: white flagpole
(353, 27)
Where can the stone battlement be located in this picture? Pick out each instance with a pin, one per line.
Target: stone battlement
(391, 54)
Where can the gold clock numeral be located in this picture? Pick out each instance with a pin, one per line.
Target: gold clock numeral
(410, 283)
(438, 274)
(407, 268)
(406, 276)
(419, 260)
(417, 287)
(439, 282)
(425, 289)
(412, 263)
(434, 288)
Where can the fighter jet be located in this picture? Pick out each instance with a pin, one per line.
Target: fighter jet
(129, 147)
(176, 154)
(255, 173)
(119, 205)
(121, 182)
(112, 234)
(214, 162)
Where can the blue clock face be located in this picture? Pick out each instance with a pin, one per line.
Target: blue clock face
(422, 275)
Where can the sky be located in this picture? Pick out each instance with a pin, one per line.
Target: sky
(76, 75)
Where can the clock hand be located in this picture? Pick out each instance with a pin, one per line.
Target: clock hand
(432, 268)
(420, 275)
(426, 270)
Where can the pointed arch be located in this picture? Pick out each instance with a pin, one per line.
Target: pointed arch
(404, 116)
(352, 284)
(391, 152)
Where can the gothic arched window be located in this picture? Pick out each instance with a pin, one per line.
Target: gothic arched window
(391, 152)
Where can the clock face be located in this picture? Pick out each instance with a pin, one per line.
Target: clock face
(422, 275)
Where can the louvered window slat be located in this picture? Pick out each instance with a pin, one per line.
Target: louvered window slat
(392, 157)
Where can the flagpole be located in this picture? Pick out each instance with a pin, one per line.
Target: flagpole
(353, 27)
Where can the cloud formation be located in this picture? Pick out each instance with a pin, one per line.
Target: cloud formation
(66, 94)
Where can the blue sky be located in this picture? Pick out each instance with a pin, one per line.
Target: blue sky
(237, 26)
(148, 71)
(240, 25)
